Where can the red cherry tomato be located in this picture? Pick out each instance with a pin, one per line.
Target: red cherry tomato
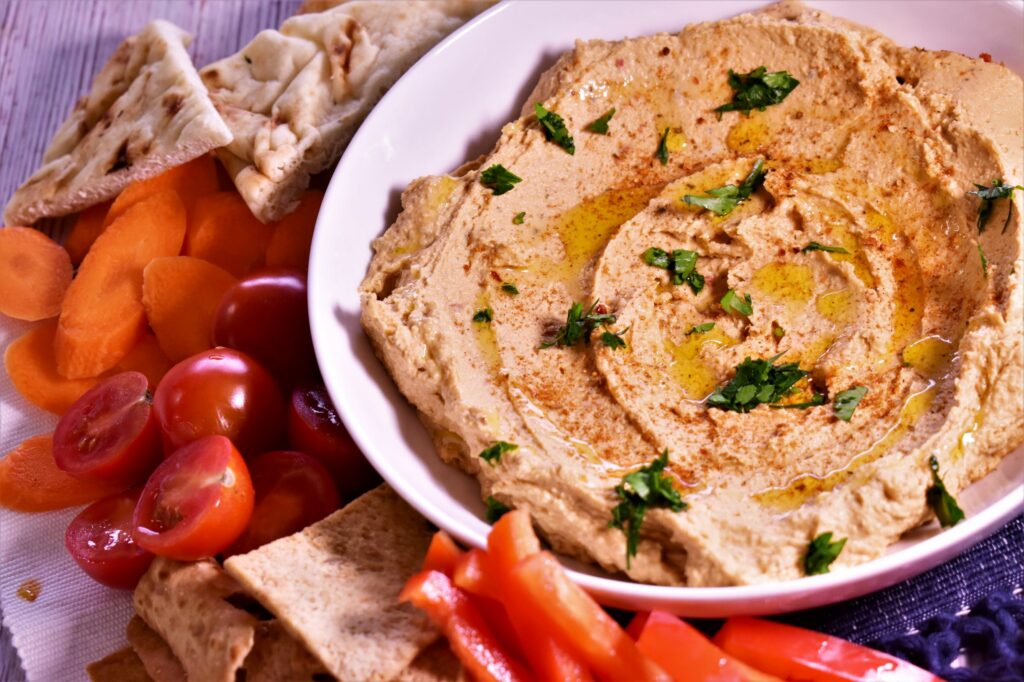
(293, 490)
(100, 540)
(315, 428)
(265, 316)
(110, 434)
(220, 392)
(196, 503)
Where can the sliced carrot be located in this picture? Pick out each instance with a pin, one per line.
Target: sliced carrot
(30, 480)
(224, 232)
(181, 295)
(102, 317)
(88, 226)
(32, 368)
(35, 273)
(190, 180)
(147, 358)
(293, 234)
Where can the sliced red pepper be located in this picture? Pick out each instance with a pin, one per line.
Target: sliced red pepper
(512, 539)
(442, 554)
(795, 653)
(472, 575)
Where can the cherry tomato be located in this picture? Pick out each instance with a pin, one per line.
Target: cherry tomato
(265, 316)
(196, 503)
(110, 434)
(220, 392)
(315, 428)
(100, 540)
(293, 490)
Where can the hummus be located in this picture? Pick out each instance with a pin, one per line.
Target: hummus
(872, 155)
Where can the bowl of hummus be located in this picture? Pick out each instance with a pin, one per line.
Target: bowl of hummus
(736, 307)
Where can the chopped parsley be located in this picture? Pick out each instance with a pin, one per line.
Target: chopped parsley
(510, 288)
(821, 552)
(613, 340)
(644, 489)
(681, 265)
(756, 382)
(492, 455)
(579, 325)
(988, 196)
(815, 246)
(847, 401)
(732, 303)
(662, 153)
(554, 128)
(495, 509)
(984, 261)
(722, 200)
(600, 125)
(701, 328)
(778, 331)
(499, 179)
(947, 511)
(484, 315)
(519, 218)
(816, 399)
(757, 89)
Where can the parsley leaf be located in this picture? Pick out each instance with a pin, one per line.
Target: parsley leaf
(756, 382)
(984, 261)
(644, 489)
(554, 128)
(495, 509)
(847, 401)
(757, 89)
(815, 246)
(492, 455)
(510, 288)
(947, 511)
(579, 325)
(662, 153)
(988, 196)
(519, 218)
(484, 315)
(681, 265)
(821, 552)
(732, 303)
(722, 200)
(499, 179)
(600, 125)
(613, 340)
(701, 328)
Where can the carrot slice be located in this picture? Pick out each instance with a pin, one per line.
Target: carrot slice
(30, 480)
(293, 234)
(224, 232)
(102, 317)
(147, 358)
(88, 226)
(190, 180)
(35, 273)
(181, 295)
(32, 368)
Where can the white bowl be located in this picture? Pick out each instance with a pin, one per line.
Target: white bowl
(449, 108)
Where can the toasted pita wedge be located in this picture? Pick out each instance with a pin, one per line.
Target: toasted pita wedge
(294, 97)
(147, 111)
(121, 666)
(335, 586)
(156, 656)
(435, 664)
(278, 656)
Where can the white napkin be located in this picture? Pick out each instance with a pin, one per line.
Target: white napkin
(74, 620)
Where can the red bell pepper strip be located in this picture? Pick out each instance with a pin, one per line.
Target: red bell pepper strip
(442, 554)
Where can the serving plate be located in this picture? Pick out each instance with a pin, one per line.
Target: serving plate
(449, 108)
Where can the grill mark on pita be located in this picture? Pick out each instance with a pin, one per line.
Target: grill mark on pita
(173, 102)
(122, 160)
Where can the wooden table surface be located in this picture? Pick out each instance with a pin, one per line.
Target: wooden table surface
(49, 52)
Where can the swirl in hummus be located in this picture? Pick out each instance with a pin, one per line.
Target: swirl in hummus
(860, 250)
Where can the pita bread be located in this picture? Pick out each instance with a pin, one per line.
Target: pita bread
(121, 666)
(335, 586)
(436, 664)
(147, 111)
(294, 97)
(156, 656)
(278, 656)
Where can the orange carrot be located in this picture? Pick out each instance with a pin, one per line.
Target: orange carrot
(30, 480)
(147, 358)
(102, 317)
(181, 295)
(88, 225)
(224, 232)
(293, 234)
(190, 180)
(32, 368)
(35, 272)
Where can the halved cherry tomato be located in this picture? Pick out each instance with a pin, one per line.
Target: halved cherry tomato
(795, 653)
(265, 316)
(110, 434)
(196, 503)
(443, 554)
(100, 540)
(293, 490)
(315, 428)
(220, 392)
